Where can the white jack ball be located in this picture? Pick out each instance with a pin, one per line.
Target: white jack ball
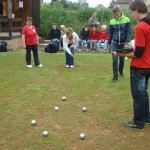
(82, 136)
(63, 98)
(84, 109)
(56, 108)
(33, 122)
(45, 133)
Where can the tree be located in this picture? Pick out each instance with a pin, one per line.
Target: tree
(53, 1)
(112, 3)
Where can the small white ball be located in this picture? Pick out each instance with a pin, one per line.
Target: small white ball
(82, 136)
(45, 133)
(84, 109)
(126, 58)
(56, 108)
(33, 122)
(63, 98)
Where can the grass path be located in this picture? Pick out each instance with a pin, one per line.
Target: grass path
(31, 93)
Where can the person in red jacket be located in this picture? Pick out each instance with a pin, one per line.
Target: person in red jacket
(30, 42)
(94, 36)
(140, 65)
(103, 38)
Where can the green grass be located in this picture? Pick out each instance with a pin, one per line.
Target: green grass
(31, 93)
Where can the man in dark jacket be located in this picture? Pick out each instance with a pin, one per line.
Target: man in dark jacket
(55, 35)
(84, 37)
(119, 36)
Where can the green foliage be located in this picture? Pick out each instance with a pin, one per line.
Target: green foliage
(73, 18)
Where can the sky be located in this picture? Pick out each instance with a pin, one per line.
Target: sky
(92, 3)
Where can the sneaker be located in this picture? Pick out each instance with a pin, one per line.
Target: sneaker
(29, 66)
(67, 66)
(71, 66)
(132, 124)
(40, 65)
(88, 50)
(114, 80)
(79, 50)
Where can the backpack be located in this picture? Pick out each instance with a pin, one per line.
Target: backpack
(3, 46)
(51, 48)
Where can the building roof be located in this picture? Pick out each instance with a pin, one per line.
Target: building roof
(123, 1)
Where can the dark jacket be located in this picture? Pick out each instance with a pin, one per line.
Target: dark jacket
(119, 30)
(84, 35)
(55, 34)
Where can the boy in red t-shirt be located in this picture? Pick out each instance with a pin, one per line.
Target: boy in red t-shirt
(140, 65)
(103, 38)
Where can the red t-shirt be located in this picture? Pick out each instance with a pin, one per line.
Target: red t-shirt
(103, 35)
(142, 39)
(30, 35)
(94, 35)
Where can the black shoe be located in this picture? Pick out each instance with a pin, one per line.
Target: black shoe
(147, 121)
(114, 80)
(131, 124)
(121, 74)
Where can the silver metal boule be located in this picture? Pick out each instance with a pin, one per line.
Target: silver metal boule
(82, 136)
(56, 108)
(63, 98)
(45, 133)
(84, 109)
(33, 122)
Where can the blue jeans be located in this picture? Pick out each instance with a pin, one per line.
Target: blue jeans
(80, 44)
(56, 41)
(69, 59)
(115, 46)
(139, 86)
(105, 45)
(35, 54)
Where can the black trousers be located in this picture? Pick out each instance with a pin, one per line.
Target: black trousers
(35, 54)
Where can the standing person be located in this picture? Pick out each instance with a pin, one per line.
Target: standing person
(30, 42)
(62, 30)
(55, 35)
(94, 36)
(140, 65)
(84, 37)
(103, 38)
(70, 42)
(119, 36)
(93, 21)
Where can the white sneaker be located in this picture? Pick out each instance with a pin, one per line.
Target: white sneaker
(79, 50)
(67, 66)
(88, 50)
(71, 66)
(29, 66)
(40, 65)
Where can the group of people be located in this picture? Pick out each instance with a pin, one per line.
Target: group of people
(119, 37)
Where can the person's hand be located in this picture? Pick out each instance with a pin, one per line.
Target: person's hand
(109, 48)
(126, 46)
(97, 23)
(24, 46)
(71, 55)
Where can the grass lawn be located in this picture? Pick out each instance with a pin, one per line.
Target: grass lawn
(31, 93)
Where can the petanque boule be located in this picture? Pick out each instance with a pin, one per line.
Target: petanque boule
(84, 109)
(82, 136)
(63, 98)
(45, 133)
(56, 108)
(33, 122)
